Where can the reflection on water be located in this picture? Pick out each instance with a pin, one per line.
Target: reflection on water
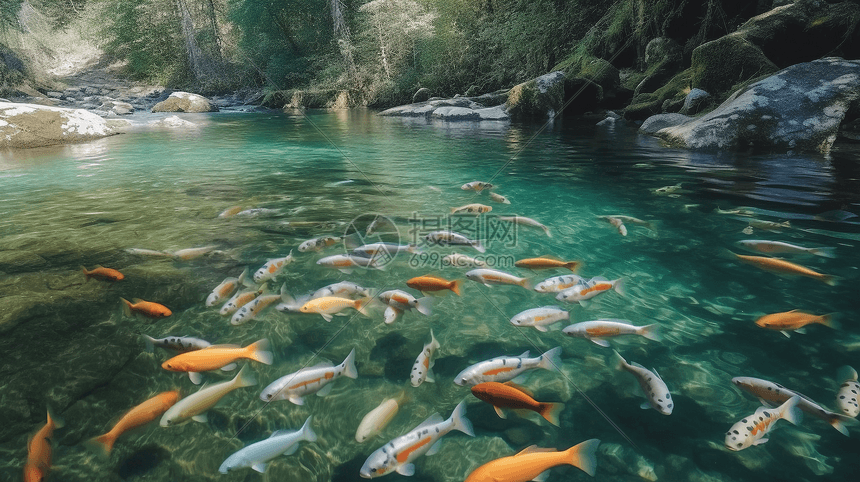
(67, 343)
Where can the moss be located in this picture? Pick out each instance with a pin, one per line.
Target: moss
(719, 64)
(644, 105)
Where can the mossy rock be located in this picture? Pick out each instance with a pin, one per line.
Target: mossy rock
(719, 64)
(646, 105)
(537, 97)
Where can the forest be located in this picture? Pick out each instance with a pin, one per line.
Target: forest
(380, 51)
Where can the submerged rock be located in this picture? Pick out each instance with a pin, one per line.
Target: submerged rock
(800, 107)
(30, 125)
(185, 102)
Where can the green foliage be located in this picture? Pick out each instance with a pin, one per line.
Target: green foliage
(9, 13)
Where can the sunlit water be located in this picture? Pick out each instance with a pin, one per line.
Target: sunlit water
(85, 204)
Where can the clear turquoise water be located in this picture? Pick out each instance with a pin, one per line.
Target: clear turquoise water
(163, 189)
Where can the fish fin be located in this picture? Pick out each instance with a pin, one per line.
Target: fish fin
(801, 330)
(480, 247)
(260, 467)
(52, 416)
(325, 390)
(541, 477)
(546, 231)
(201, 417)
(406, 469)
(520, 388)
(349, 365)
(766, 403)
(434, 344)
(551, 359)
(391, 315)
(149, 342)
(526, 354)
(551, 412)
(307, 432)
(645, 405)
(136, 300)
(126, 307)
(196, 378)
(424, 305)
(362, 304)
(293, 449)
(838, 422)
(823, 252)
(790, 411)
(229, 368)
(573, 265)
(245, 378)
(846, 374)
(584, 303)
(459, 420)
(244, 280)
(761, 441)
(101, 445)
(455, 287)
(430, 378)
(499, 412)
(651, 332)
(787, 334)
(541, 328)
(829, 320)
(431, 420)
(261, 351)
(584, 456)
(345, 270)
(830, 279)
(326, 316)
(620, 362)
(525, 283)
(352, 241)
(533, 449)
(600, 341)
(434, 449)
(619, 287)
(296, 399)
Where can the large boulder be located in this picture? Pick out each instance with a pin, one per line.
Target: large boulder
(185, 102)
(798, 108)
(720, 64)
(30, 125)
(458, 109)
(663, 58)
(541, 97)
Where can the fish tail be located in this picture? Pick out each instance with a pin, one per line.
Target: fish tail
(651, 332)
(361, 305)
(126, 307)
(261, 351)
(525, 283)
(546, 231)
(846, 374)
(424, 305)
(349, 365)
(618, 286)
(837, 421)
(101, 445)
(149, 341)
(620, 363)
(455, 287)
(243, 279)
(460, 422)
(583, 456)
(573, 265)
(790, 412)
(551, 360)
(551, 412)
(480, 247)
(58, 421)
(245, 378)
(86, 273)
(830, 279)
(352, 241)
(823, 252)
(435, 344)
(830, 321)
(307, 432)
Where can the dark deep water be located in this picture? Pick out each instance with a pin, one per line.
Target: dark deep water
(69, 345)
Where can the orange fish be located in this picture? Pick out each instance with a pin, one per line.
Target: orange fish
(533, 461)
(136, 417)
(432, 283)
(544, 263)
(39, 450)
(145, 308)
(783, 267)
(102, 273)
(794, 320)
(218, 356)
(505, 395)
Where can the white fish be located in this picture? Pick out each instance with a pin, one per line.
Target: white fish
(192, 253)
(450, 238)
(752, 429)
(768, 225)
(583, 292)
(476, 186)
(180, 344)
(598, 330)
(558, 284)
(230, 212)
(317, 244)
(344, 262)
(495, 277)
(378, 418)
(195, 405)
(401, 301)
(398, 454)
(771, 394)
(225, 289)
(474, 208)
(379, 249)
(240, 299)
(148, 252)
(541, 317)
(846, 399)
(317, 379)
(738, 211)
(458, 260)
(272, 268)
(668, 190)
(630, 220)
(619, 224)
(253, 308)
(499, 198)
(290, 304)
(778, 247)
(258, 455)
(343, 289)
(254, 212)
(526, 222)
(422, 369)
(652, 385)
(506, 368)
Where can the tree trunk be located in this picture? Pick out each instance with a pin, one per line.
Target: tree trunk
(195, 55)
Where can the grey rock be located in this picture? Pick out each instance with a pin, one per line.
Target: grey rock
(695, 100)
(55, 95)
(29, 125)
(185, 102)
(800, 107)
(661, 121)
